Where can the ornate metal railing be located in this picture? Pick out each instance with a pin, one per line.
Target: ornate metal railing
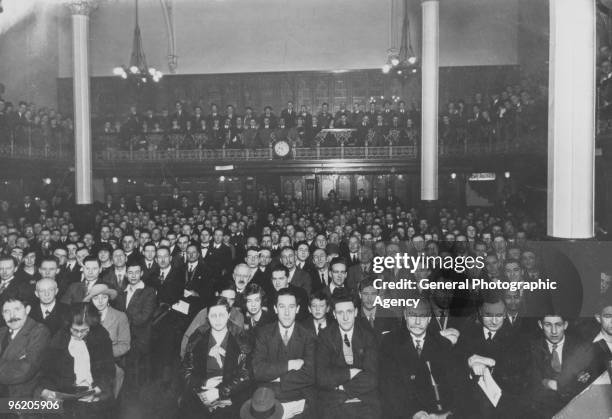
(461, 147)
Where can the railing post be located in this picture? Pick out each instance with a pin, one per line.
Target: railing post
(200, 152)
(390, 150)
(318, 148)
(131, 151)
(46, 150)
(271, 151)
(342, 150)
(465, 145)
(366, 150)
(176, 150)
(223, 152)
(12, 144)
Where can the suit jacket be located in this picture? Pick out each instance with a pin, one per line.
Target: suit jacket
(171, 290)
(110, 278)
(511, 357)
(333, 370)
(308, 323)
(139, 312)
(53, 321)
(220, 259)
(385, 321)
(201, 280)
(355, 275)
(116, 324)
(264, 280)
(73, 275)
(405, 384)
(21, 360)
(150, 275)
(75, 293)
(270, 361)
(543, 401)
(301, 279)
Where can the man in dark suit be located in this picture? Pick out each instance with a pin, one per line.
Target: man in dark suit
(379, 320)
(168, 324)
(47, 310)
(263, 274)
(320, 276)
(139, 302)
(411, 360)
(362, 270)
(320, 317)
(361, 202)
(22, 344)
(77, 291)
(284, 355)
(219, 255)
(487, 344)
(116, 277)
(130, 247)
(72, 270)
(347, 364)
(549, 355)
(297, 277)
(199, 282)
(29, 210)
(10, 285)
(150, 269)
(289, 115)
(522, 326)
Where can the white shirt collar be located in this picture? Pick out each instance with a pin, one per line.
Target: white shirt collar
(420, 338)
(48, 307)
(559, 346)
(600, 336)
(487, 331)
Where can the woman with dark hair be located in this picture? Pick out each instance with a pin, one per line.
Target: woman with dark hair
(215, 370)
(80, 358)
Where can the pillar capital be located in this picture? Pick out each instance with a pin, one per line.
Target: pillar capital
(81, 7)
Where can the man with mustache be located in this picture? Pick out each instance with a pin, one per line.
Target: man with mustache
(22, 343)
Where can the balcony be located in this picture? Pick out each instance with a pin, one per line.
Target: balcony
(108, 158)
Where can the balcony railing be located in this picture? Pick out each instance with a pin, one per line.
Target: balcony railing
(463, 147)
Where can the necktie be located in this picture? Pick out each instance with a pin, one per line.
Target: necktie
(149, 266)
(3, 286)
(489, 336)
(442, 319)
(371, 320)
(555, 362)
(323, 280)
(47, 312)
(346, 349)
(318, 328)
(419, 346)
(190, 269)
(286, 337)
(161, 277)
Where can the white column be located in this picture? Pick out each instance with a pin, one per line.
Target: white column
(429, 100)
(80, 10)
(571, 119)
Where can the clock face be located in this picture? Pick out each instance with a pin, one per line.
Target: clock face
(281, 148)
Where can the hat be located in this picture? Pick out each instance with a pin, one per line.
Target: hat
(98, 289)
(263, 405)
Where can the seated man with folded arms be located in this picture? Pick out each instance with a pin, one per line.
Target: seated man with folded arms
(284, 357)
(347, 364)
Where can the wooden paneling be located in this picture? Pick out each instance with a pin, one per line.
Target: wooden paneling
(113, 96)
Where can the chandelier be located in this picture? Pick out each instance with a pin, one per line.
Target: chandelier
(138, 71)
(402, 61)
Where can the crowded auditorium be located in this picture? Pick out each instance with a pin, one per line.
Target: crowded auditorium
(263, 209)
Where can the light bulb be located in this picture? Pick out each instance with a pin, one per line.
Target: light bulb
(124, 75)
(386, 68)
(134, 69)
(118, 71)
(115, 180)
(152, 71)
(394, 61)
(412, 59)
